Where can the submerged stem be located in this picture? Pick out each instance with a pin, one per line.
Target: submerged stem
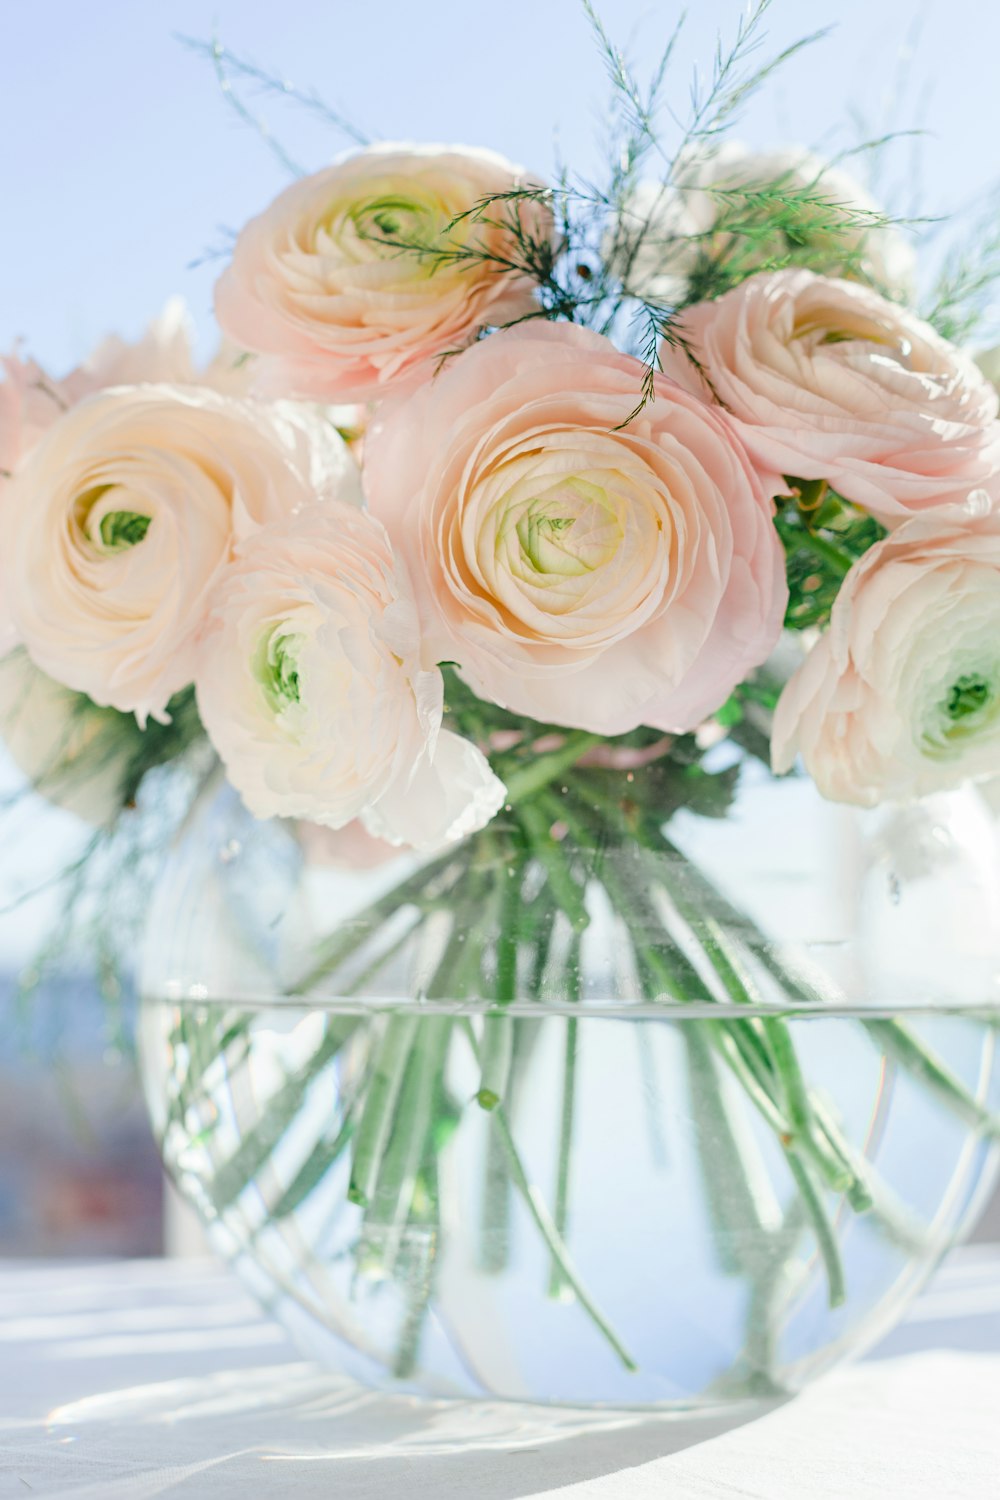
(535, 1204)
(388, 1071)
(553, 1239)
(558, 1285)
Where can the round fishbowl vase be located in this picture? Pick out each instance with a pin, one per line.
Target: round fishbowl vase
(668, 1088)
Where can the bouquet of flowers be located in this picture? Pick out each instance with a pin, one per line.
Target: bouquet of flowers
(504, 505)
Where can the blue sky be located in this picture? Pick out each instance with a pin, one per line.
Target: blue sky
(122, 163)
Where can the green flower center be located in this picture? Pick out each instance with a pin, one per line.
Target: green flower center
(539, 538)
(969, 706)
(276, 668)
(123, 528)
(396, 223)
(114, 530)
(967, 696)
(567, 531)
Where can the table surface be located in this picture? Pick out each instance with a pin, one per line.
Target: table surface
(125, 1381)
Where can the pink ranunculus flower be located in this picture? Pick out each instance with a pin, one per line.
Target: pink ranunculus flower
(825, 379)
(578, 571)
(118, 525)
(314, 690)
(320, 287)
(901, 696)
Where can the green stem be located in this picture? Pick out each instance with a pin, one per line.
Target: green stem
(402, 1123)
(322, 1159)
(538, 818)
(498, 1031)
(412, 1122)
(729, 1175)
(896, 1039)
(826, 1146)
(531, 777)
(535, 1204)
(811, 541)
(387, 1072)
(496, 1052)
(494, 1246)
(894, 1036)
(743, 1055)
(234, 1175)
(826, 1239)
(361, 927)
(537, 926)
(558, 1286)
(901, 1044)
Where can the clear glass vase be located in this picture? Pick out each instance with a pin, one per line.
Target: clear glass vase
(668, 1088)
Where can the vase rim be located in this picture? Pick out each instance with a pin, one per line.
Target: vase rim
(197, 996)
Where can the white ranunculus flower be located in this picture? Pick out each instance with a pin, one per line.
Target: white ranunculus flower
(74, 754)
(664, 230)
(901, 696)
(118, 525)
(313, 689)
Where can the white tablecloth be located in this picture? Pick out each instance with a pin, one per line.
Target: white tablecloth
(129, 1381)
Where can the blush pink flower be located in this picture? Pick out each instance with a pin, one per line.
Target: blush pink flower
(323, 288)
(901, 696)
(825, 379)
(578, 571)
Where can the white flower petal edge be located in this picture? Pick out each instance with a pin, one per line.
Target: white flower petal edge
(313, 690)
(445, 798)
(901, 696)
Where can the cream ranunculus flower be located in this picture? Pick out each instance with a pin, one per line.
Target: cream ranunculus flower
(32, 400)
(320, 287)
(825, 379)
(664, 231)
(901, 696)
(314, 690)
(119, 523)
(579, 571)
